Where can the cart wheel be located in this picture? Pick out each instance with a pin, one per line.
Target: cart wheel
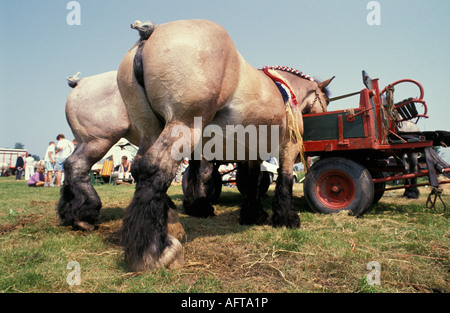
(335, 184)
(379, 187)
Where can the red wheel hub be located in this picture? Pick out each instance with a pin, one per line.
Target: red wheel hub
(335, 189)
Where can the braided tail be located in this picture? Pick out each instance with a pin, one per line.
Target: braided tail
(145, 31)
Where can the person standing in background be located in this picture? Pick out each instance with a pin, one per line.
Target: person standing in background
(64, 149)
(49, 160)
(29, 167)
(20, 164)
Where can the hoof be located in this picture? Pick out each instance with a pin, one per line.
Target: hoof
(411, 195)
(172, 257)
(260, 218)
(84, 226)
(176, 230)
(290, 221)
(200, 208)
(174, 226)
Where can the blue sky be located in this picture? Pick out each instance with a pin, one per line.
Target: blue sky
(322, 38)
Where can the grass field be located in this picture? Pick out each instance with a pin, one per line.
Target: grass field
(328, 254)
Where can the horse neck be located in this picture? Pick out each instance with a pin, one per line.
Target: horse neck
(302, 88)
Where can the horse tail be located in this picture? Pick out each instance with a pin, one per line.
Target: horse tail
(73, 80)
(145, 31)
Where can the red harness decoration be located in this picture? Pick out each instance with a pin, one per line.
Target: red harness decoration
(282, 83)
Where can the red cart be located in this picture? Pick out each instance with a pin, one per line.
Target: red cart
(360, 149)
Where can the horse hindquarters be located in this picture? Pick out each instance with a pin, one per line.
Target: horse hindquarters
(144, 234)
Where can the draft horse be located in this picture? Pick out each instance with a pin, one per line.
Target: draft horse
(185, 70)
(98, 118)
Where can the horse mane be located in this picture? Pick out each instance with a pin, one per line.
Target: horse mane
(290, 70)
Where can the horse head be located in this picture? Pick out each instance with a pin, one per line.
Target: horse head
(318, 102)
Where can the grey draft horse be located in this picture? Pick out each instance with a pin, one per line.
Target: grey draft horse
(98, 118)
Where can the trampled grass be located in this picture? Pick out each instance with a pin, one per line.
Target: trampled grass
(329, 253)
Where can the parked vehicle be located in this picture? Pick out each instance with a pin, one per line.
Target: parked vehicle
(8, 158)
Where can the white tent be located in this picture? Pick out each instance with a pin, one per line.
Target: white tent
(121, 148)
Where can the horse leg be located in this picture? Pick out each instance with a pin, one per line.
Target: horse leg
(79, 204)
(251, 211)
(411, 166)
(173, 222)
(283, 206)
(144, 233)
(197, 199)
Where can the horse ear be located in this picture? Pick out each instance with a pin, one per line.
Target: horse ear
(325, 83)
